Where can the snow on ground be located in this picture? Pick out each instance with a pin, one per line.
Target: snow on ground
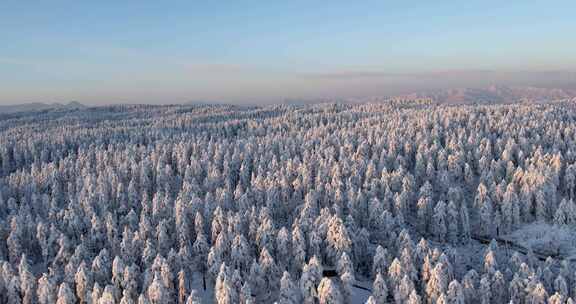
(546, 238)
(359, 296)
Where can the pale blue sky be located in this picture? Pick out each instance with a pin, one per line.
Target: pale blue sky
(263, 51)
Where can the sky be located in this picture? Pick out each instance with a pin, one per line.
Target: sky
(108, 51)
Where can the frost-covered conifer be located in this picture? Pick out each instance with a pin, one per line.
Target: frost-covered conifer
(455, 293)
(329, 293)
(439, 225)
(65, 295)
(289, 293)
(438, 283)
(307, 284)
(537, 294)
(46, 293)
(27, 281)
(414, 298)
(108, 295)
(157, 292)
(84, 281)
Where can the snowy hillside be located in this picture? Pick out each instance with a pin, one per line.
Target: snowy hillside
(399, 202)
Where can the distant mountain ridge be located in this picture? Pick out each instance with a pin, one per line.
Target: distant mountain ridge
(492, 95)
(39, 106)
(495, 94)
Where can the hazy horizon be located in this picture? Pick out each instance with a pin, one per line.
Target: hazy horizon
(254, 52)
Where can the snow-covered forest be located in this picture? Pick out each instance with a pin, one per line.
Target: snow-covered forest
(399, 202)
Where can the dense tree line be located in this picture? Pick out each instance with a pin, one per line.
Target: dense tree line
(188, 204)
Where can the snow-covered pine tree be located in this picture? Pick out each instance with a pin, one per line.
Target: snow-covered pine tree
(328, 292)
(289, 293)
